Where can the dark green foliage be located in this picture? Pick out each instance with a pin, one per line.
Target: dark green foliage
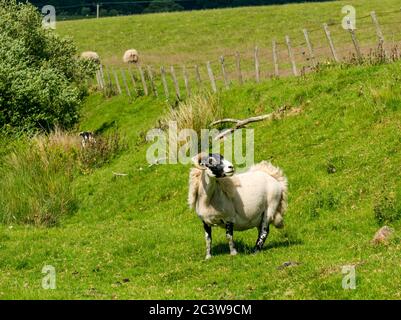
(113, 7)
(40, 77)
(163, 6)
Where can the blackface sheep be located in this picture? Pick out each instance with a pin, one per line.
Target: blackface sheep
(87, 138)
(131, 56)
(253, 199)
(90, 55)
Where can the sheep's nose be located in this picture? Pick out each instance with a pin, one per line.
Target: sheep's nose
(230, 167)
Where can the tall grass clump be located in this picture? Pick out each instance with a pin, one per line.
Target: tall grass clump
(376, 56)
(195, 113)
(37, 180)
(37, 175)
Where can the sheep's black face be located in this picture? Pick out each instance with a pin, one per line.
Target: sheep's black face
(217, 166)
(87, 136)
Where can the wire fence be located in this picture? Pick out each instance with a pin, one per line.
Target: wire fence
(291, 56)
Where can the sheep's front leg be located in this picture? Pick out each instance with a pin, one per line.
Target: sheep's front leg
(229, 234)
(208, 238)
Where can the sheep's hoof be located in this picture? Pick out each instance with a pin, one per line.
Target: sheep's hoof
(233, 252)
(256, 250)
(208, 256)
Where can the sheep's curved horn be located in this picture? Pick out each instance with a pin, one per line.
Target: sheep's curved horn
(196, 160)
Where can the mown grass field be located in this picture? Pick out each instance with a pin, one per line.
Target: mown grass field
(133, 237)
(199, 36)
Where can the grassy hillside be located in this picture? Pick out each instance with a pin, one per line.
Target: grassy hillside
(188, 37)
(134, 236)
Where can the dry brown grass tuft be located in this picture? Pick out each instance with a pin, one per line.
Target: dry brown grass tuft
(195, 113)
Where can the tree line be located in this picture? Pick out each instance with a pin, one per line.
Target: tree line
(123, 7)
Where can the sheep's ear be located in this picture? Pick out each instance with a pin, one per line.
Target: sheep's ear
(196, 161)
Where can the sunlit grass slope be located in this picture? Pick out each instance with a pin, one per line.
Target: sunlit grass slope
(134, 236)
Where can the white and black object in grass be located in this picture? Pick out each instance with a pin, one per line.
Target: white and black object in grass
(253, 199)
(88, 138)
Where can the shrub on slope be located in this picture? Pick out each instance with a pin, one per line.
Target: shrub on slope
(39, 75)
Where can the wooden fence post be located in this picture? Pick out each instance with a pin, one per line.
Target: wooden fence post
(117, 82)
(164, 81)
(110, 83)
(354, 39)
(291, 55)
(145, 87)
(152, 84)
(331, 44)
(256, 57)
(310, 48)
(211, 77)
(238, 64)
(275, 59)
(186, 81)
(379, 33)
(223, 70)
(125, 82)
(99, 83)
(197, 75)
(133, 80)
(102, 82)
(176, 86)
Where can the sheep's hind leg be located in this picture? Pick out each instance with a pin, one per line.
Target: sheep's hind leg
(263, 233)
(230, 238)
(208, 238)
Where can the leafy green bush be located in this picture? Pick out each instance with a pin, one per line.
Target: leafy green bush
(41, 80)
